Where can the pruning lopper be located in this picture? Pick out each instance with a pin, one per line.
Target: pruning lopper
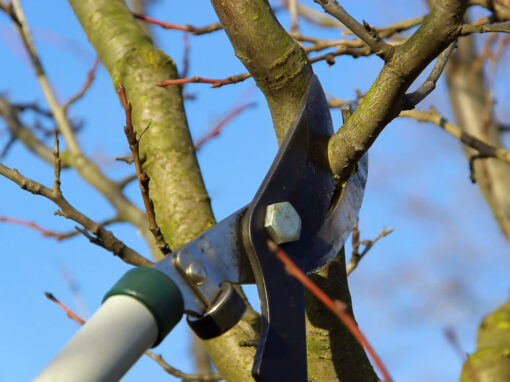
(296, 206)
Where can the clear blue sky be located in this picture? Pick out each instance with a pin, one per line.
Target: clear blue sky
(446, 264)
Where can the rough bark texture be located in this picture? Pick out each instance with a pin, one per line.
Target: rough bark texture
(472, 109)
(491, 361)
(181, 203)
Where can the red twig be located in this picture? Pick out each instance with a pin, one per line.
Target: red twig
(215, 83)
(186, 28)
(91, 75)
(337, 307)
(217, 129)
(163, 24)
(70, 313)
(46, 233)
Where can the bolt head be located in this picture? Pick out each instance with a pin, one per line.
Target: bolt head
(282, 222)
(196, 272)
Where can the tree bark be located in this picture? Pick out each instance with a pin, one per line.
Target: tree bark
(472, 108)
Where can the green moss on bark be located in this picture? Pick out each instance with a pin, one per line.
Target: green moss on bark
(491, 360)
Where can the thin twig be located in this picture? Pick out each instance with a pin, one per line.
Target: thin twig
(410, 100)
(338, 308)
(468, 29)
(215, 83)
(316, 17)
(220, 125)
(57, 165)
(23, 133)
(293, 11)
(111, 243)
(45, 232)
(128, 179)
(179, 374)
(18, 17)
(356, 255)
(158, 358)
(186, 28)
(73, 316)
(365, 32)
(450, 335)
(185, 55)
(143, 178)
(485, 150)
(91, 75)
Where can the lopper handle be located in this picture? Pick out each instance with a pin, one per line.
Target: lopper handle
(137, 313)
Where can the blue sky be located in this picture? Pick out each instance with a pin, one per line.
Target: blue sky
(446, 264)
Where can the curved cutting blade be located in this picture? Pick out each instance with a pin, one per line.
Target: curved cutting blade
(340, 221)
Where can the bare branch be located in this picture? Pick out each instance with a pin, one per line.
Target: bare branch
(468, 29)
(179, 374)
(185, 55)
(45, 232)
(356, 255)
(23, 133)
(365, 32)
(215, 83)
(293, 11)
(485, 150)
(220, 125)
(143, 178)
(111, 243)
(128, 179)
(57, 165)
(91, 75)
(410, 100)
(186, 28)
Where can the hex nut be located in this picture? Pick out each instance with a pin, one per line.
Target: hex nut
(282, 222)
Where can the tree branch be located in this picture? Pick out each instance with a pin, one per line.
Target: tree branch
(23, 133)
(383, 101)
(186, 28)
(356, 255)
(484, 150)
(91, 75)
(114, 245)
(365, 32)
(143, 178)
(468, 29)
(412, 99)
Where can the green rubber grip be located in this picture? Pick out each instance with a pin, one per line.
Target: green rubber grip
(157, 292)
